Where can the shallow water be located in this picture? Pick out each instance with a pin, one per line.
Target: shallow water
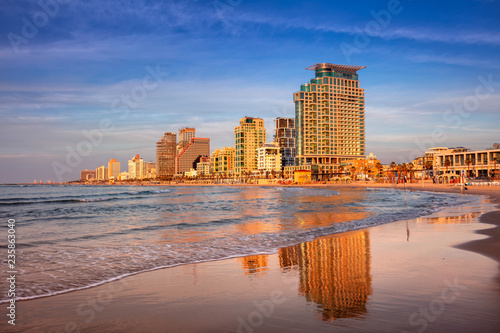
(74, 237)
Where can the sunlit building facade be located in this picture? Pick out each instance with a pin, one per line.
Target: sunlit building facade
(87, 174)
(101, 173)
(330, 118)
(249, 136)
(185, 136)
(136, 168)
(284, 136)
(113, 169)
(269, 157)
(222, 161)
(165, 155)
(190, 153)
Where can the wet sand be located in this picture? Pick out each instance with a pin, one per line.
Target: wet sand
(407, 276)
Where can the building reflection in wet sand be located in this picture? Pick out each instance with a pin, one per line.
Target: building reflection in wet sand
(254, 265)
(334, 273)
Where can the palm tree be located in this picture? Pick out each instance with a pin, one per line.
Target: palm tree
(447, 163)
(378, 166)
(410, 167)
(353, 170)
(428, 166)
(393, 167)
(495, 161)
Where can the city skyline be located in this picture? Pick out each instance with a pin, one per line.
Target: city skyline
(431, 80)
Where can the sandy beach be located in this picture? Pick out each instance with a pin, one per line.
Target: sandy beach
(434, 274)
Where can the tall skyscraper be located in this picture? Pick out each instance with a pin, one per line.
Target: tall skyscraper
(197, 147)
(249, 136)
(330, 117)
(113, 169)
(284, 136)
(165, 155)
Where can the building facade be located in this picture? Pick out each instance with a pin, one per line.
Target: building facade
(151, 170)
(284, 136)
(113, 169)
(479, 163)
(185, 136)
(222, 161)
(269, 158)
(165, 155)
(203, 166)
(249, 136)
(330, 118)
(136, 168)
(87, 175)
(101, 173)
(196, 148)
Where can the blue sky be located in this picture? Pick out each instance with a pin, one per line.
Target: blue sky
(69, 66)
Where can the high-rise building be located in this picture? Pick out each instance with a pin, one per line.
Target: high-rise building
(113, 169)
(249, 136)
(87, 174)
(165, 155)
(222, 160)
(136, 168)
(284, 136)
(185, 136)
(151, 170)
(330, 118)
(269, 157)
(101, 173)
(197, 147)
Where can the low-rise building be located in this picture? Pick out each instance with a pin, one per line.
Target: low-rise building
(479, 163)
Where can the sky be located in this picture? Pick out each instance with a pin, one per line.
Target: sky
(83, 81)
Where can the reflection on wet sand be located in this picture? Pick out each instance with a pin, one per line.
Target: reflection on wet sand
(334, 273)
(465, 218)
(254, 265)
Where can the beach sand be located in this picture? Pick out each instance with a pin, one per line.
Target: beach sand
(433, 274)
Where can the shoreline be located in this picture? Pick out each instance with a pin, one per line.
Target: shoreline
(488, 247)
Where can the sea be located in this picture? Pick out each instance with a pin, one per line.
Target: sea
(72, 237)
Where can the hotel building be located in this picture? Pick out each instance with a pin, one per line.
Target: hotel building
(249, 136)
(330, 119)
(185, 136)
(87, 174)
(203, 166)
(479, 163)
(190, 154)
(222, 160)
(165, 155)
(284, 136)
(269, 158)
(113, 169)
(101, 173)
(136, 168)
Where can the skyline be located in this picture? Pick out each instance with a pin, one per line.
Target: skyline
(204, 65)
